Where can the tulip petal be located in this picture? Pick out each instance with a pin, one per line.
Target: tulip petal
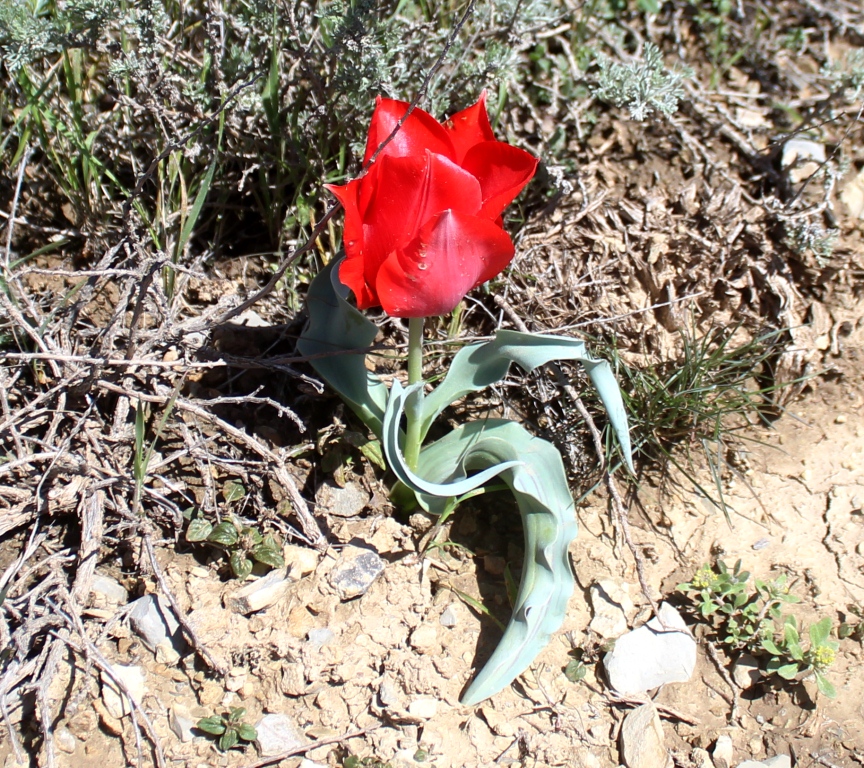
(420, 132)
(502, 171)
(454, 253)
(470, 127)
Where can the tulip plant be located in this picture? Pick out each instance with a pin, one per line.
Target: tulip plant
(423, 227)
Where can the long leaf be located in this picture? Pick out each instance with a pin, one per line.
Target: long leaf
(336, 327)
(533, 470)
(479, 365)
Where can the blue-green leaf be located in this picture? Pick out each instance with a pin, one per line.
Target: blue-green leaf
(336, 327)
(533, 470)
(479, 365)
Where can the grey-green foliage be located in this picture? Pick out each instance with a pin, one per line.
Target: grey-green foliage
(805, 235)
(28, 31)
(847, 75)
(644, 87)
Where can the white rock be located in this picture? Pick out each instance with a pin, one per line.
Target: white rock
(277, 733)
(611, 603)
(852, 196)
(802, 149)
(651, 656)
(260, 594)
(746, 672)
(251, 319)
(132, 678)
(165, 654)
(423, 709)
(642, 739)
(300, 561)
(449, 617)
(349, 501)
(425, 638)
(65, 741)
(701, 758)
(355, 571)
(778, 761)
(154, 622)
(320, 637)
(111, 589)
(723, 751)
(181, 722)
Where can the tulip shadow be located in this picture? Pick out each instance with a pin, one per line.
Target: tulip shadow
(490, 529)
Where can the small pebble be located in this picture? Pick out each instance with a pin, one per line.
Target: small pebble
(840, 418)
(65, 741)
(761, 544)
(424, 709)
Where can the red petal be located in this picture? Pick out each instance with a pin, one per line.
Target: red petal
(347, 194)
(502, 171)
(454, 253)
(418, 133)
(408, 191)
(470, 127)
(351, 271)
(351, 274)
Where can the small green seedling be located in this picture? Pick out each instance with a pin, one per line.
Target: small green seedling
(230, 728)
(364, 762)
(853, 627)
(243, 544)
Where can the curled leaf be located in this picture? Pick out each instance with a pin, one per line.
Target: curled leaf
(533, 470)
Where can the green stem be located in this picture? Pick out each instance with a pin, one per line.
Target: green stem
(413, 406)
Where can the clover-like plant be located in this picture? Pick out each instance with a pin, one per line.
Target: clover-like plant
(243, 544)
(229, 727)
(422, 228)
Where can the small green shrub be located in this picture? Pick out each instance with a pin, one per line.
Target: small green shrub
(644, 87)
(743, 619)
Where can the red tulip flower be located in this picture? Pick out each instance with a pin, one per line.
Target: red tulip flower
(423, 226)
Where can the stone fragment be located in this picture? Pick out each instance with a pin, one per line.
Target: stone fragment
(642, 739)
(349, 501)
(132, 678)
(277, 734)
(355, 571)
(449, 617)
(83, 723)
(423, 709)
(802, 149)
(154, 622)
(611, 603)
(235, 679)
(300, 561)
(259, 594)
(425, 639)
(65, 741)
(746, 672)
(181, 722)
(778, 761)
(320, 637)
(806, 156)
(723, 751)
(166, 654)
(110, 589)
(110, 723)
(852, 196)
(652, 655)
(306, 763)
(701, 758)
